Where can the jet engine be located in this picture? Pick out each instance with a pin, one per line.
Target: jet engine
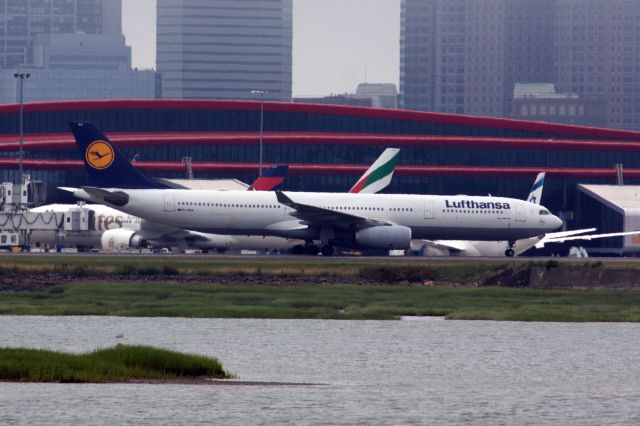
(121, 239)
(384, 237)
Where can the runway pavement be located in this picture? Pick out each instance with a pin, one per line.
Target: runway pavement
(320, 258)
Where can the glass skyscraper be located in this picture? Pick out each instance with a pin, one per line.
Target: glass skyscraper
(225, 49)
(21, 21)
(466, 56)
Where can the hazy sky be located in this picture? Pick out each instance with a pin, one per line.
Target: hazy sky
(334, 42)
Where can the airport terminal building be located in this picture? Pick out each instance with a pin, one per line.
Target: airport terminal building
(326, 146)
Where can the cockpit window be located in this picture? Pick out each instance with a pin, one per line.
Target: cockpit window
(544, 212)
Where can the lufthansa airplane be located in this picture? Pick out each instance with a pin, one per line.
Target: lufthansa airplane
(379, 221)
(112, 230)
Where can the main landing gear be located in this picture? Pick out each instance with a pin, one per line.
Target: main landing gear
(510, 252)
(311, 249)
(327, 250)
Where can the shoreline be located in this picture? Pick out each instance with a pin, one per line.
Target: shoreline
(189, 382)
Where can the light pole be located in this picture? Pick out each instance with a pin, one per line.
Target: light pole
(261, 93)
(21, 76)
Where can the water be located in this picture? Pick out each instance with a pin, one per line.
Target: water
(370, 372)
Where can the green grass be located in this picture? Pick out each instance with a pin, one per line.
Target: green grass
(123, 363)
(371, 269)
(140, 265)
(322, 302)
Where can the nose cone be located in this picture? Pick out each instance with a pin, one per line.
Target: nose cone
(555, 222)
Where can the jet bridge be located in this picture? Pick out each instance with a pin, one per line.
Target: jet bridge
(21, 227)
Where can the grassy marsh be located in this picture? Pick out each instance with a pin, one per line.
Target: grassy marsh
(122, 363)
(345, 268)
(322, 302)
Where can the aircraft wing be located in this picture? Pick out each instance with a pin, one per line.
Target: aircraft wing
(152, 231)
(550, 238)
(566, 234)
(312, 215)
(451, 245)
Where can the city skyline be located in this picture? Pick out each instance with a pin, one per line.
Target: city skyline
(330, 39)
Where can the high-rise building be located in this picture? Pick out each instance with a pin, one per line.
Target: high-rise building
(597, 54)
(21, 21)
(466, 56)
(528, 38)
(79, 66)
(417, 55)
(225, 49)
(73, 49)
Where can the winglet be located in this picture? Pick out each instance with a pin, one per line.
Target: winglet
(283, 199)
(105, 163)
(536, 190)
(379, 175)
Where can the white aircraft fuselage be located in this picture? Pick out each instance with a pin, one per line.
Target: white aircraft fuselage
(109, 220)
(260, 213)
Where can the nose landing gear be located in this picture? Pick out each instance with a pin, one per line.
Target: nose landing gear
(510, 252)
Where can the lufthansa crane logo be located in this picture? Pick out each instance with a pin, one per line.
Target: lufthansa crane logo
(99, 155)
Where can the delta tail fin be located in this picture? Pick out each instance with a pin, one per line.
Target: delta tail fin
(270, 179)
(379, 175)
(536, 190)
(105, 163)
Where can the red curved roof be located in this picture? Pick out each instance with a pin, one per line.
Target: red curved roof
(467, 120)
(337, 169)
(62, 141)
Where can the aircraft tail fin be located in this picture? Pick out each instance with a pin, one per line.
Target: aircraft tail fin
(379, 175)
(270, 179)
(105, 163)
(536, 190)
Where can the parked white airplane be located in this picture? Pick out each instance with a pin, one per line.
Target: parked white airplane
(112, 230)
(387, 221)
(466, 248)
(497, 248)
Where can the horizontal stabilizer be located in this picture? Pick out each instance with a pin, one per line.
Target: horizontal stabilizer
(117, 198)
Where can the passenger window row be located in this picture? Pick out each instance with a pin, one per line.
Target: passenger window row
(472, 211)
(232, 205)
(355, 208)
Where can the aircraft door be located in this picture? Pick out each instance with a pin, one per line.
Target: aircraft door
(429, 210)
(520, 214)
(169, 202)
